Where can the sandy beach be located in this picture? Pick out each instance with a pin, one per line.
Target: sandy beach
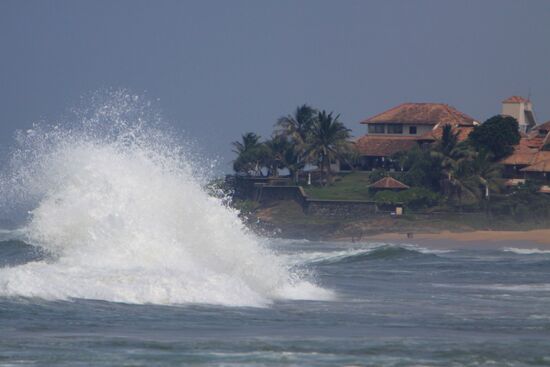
(539, 238)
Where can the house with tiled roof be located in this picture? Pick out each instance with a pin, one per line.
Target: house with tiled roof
(531, 157)
(405, 126)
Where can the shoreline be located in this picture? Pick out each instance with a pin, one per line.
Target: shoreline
(464, 230)
(477, 239)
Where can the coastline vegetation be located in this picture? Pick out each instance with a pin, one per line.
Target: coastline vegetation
(307, 137)
(447, 176)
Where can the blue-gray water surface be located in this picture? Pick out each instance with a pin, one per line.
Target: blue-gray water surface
(396, 305)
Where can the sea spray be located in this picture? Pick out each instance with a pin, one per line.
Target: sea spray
(119, 207)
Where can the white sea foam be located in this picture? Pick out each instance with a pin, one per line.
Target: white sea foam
(526, 251)
(425, 250)
(308, 257)
(313, 257)
(540, 287)
(126, 219)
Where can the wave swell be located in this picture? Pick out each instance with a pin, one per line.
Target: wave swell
(375, 252)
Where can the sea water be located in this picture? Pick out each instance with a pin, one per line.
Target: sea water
(392, 305)
(120, 257)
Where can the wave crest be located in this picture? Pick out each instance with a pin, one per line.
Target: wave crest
(373, 252)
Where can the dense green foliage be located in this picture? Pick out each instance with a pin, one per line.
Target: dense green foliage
(306, 137)
(498, 135)
(421, 168)
(525, 203)
(415, 198)
(250, 154)
(326, 141)
(460, 172)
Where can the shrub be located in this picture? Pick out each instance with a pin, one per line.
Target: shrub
(526, 203)
(386, 197)
(419, 197)
(414, 198)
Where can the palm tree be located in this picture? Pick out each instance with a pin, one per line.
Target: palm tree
(281, 153)
(482, 175)
(292, 161)
(452, 156)
(248, 142)
(327, 141)
(275, 154)
(250, 154)
(296, 129)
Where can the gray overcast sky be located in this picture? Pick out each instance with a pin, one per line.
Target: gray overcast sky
(221, 68)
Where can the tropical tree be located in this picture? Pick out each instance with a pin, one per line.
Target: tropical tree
(251, 154)
(482, 175)
(327, 141)
(276, 154)
(296, 129)
(498, 135)
(422, 168)
(453, 156)
(249, 141)
(291, 159)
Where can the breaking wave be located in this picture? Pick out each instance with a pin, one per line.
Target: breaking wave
(373, 252)
(119, 207)
(526, 251)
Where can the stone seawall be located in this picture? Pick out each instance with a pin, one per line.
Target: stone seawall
(249, 188)
(324, 208)
(341, 208)
(268, 194)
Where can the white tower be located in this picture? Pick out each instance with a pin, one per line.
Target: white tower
(522, 110)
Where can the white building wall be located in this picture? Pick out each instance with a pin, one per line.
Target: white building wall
(420, 129)
(516, 110)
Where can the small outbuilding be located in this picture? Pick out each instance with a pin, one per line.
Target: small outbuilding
(388, 183)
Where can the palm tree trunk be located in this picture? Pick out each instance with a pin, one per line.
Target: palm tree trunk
(323, 165)
(329, 173)
(321, 170)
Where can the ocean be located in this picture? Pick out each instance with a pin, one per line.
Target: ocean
(392, 305)
(119, 254)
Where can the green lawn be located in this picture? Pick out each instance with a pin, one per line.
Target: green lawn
(351, 186)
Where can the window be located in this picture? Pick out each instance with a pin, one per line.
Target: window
(412, 130)
(395, 129)
(376, 129)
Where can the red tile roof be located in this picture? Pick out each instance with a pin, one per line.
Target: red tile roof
(540, 163)
(515, 99)
(437, 132)
(525, 152)
(518, 159)
(384, 146)
(389, 183)
(545, 126)
(421, 114)
(512, 182)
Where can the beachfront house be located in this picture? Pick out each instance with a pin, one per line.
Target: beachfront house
(530, 159)
(404, 127)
